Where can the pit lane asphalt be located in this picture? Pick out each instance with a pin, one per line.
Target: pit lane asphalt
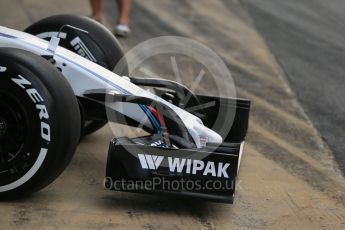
(307, 38)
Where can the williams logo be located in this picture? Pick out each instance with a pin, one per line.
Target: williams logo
(150, 161)
(187, 166)
(3, 69)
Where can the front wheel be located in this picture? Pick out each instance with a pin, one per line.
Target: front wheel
(39, 123)
(98, 45)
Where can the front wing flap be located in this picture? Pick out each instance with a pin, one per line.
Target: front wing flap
(148, 165)
(208, 173)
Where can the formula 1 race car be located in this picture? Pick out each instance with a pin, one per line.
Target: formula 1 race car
(57, 85)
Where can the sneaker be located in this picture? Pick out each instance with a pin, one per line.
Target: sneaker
(122, 30)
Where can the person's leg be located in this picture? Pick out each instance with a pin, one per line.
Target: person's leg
(124, 7)
(96, 6)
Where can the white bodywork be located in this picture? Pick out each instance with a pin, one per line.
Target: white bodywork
(84, 75)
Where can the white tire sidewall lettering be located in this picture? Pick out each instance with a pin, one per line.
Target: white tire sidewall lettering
(43, 150)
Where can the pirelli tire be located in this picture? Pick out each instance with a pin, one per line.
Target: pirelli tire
(39, 123)
(98, 45)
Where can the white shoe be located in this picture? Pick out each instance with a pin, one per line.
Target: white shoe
(122, 30)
